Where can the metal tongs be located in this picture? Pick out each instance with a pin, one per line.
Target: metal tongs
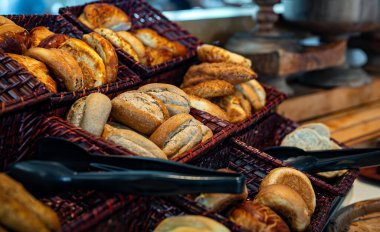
(62, 165)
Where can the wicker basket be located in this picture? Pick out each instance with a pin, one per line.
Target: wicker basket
(270, 132)
(143, 15)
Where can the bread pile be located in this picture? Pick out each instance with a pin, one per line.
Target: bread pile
(144, 45)
(153, 121)
(313, 137)
(56, 58)
(223, 85)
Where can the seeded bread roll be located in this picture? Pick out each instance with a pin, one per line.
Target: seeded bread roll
(210, 89)
(177, 135)
(90, 113)
(175, 100)
(140, 111)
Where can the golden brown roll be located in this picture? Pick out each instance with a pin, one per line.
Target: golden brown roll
(132, 141)
(295, 180)
(53, 41)
(136, 44)
(65, 68)
(105, 15)
(252, 216)
(13, 38)
(244, 103)
(232, 73)
(90, 113)
(177, 135)
(190, 223)
(5, 20)
(106, 51)
(207, 106)
(232, 105)
(206, 132)
(175, 100)
(253, 92)
(92, 66)
(139, 110)
(287, 203)
(156, 56)
(210, 89)
(38, 69)
(213, 54)
(38, 34)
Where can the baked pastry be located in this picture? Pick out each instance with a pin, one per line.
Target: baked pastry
(253, 92)
(92, 66)
(175, 100)
(65, 68)
(38, 34)
(152, 39)
(156, 56)
(252, 216)
(90, 113)
(53, 41)
(190, 223)
(20, 211)
(117, 41)
(140, 111)
(38, 69)
(232, 105)
(210, 89)
(13, 38)
(132, 141)
(207, 106)
(306, 139)
(177, 135)
(105, 15)
(287, 203)
(136, 44)
(295, 180)
(232, 73)
(106, 51)
(213, 54)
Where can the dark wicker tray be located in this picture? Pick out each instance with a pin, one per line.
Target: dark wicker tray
(271, 130)
(144, 15)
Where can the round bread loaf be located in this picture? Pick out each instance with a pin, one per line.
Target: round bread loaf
(190, 223)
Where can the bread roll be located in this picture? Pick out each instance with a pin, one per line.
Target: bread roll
(106, 51)
(252, 216)
(38, 34)
(210, 89)
(132, 141)
(287, 203)
(53, 41)
(38, 69)
(232, 105)
(136, 44)
(65, 68)
(306, 139)
(295, 180)
(207, 106)
(92, 66)
(175, 100)
(177, 135)
(105, 15)
(244, 103)
(156, 56)
(14, 39)
(5, 20)
(90, 113)
(139, 110)
(253, 92)
(231, 73)
(206, 132)
(213, 54)
(320, 128)
(190, 223)
(117, 41)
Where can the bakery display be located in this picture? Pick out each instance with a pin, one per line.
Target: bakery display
(190, 223)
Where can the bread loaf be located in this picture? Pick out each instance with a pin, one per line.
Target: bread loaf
(211, 89)
(207, 106)
(38, 34)
(190, 223)
(253, 92)
(213, 54)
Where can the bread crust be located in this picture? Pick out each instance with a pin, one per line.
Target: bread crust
(253, 92)
(53, 41)
(156, 56)
(38, 34)
(232, 105)
(211, 89)
(190, 223)
(14, 39)
(213, 54)
(207, 106)
(136, 44)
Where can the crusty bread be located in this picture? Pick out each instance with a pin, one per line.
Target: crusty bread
(210, 89)
(132, 141)
(5, 20)
(38, 34)
(175, 100)
(38, 69)
(53, 41)
(213, 54)
(90, 113)
(232, 105)
(65, 68)
(320, 128)
(106, 51)
(177, 135)
(117, 41)
(306, 139)
(92, 66)
(287, 203)
(253, 92)
(139, 111)
(206, 132)
(207, 106)
(252, 216)
(14, 39)
(232, 73)
(244, 103)
(156, 56)
(136, 44)
(105, 15)
(295, 180)
(190, 223)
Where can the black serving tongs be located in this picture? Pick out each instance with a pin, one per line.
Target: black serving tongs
(62, 165)
(326, 160)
